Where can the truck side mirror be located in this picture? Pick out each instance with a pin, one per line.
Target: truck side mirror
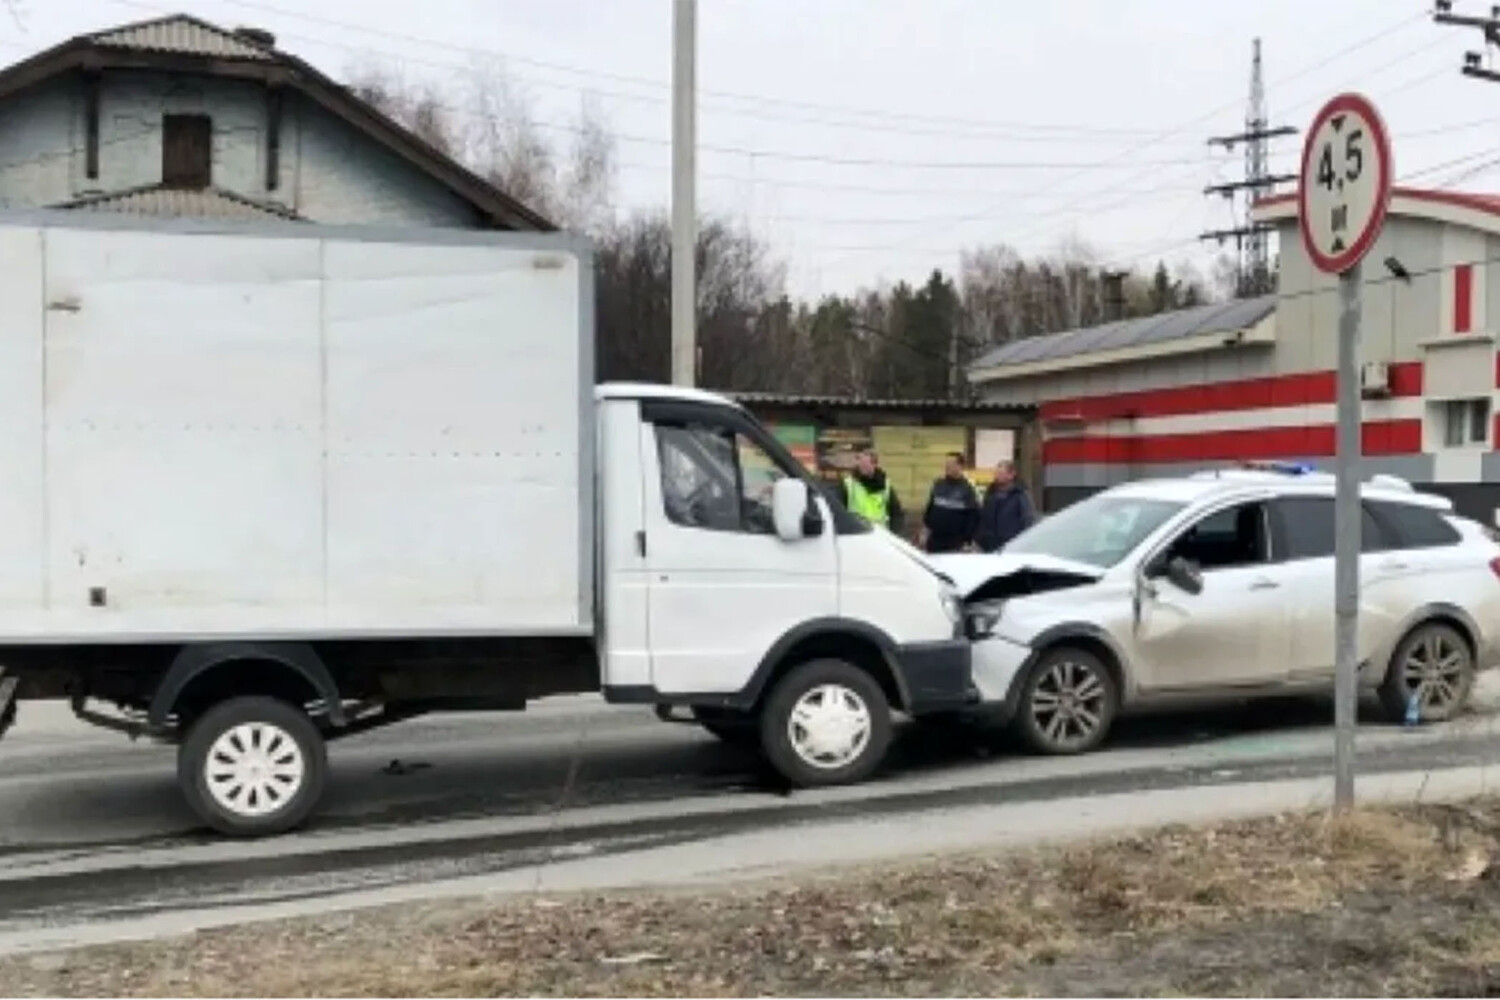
(812, 518)
(791, 502)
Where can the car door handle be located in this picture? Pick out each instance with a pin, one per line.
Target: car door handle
(1394, 565)
(1264, 584)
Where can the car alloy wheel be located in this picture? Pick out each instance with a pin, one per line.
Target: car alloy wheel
(1068, 703)
(1433, 667)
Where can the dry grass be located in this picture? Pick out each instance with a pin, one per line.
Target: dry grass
(1383, 902)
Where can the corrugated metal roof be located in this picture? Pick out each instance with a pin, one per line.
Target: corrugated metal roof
(160, 202)
(855, 402)
(1216, 317)
(184, 34)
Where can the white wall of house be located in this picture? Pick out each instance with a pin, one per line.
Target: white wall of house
(41, 146)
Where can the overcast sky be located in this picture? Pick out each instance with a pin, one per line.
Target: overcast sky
(872, 140)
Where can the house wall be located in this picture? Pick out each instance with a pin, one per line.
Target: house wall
(41, 145)
(329, 171)
(1174, 415)
(338, 175)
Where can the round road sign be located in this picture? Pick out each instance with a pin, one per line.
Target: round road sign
(1345, 184)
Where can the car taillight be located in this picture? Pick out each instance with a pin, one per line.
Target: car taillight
(1495, 566)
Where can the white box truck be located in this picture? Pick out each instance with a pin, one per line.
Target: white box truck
(266, 486)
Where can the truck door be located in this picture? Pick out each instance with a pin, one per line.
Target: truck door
(723, 588)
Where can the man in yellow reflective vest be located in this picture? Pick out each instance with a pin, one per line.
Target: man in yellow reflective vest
(868, 494)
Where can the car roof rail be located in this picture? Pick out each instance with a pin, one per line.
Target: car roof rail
(1264, 471)
(1386, 481)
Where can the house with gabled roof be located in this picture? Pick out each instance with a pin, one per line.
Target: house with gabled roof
(179, 117)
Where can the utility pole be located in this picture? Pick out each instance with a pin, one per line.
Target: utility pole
(684, 195)
(1489, 27)
(1252, 240)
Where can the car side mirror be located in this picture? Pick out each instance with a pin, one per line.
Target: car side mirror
(1185, 575)
(791, 506)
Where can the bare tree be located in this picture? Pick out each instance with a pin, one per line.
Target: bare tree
(418, 106)
(492, 130)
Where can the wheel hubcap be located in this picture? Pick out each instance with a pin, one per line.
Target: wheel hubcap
(1068, 703)
(254, 769)
(829, 726)
(1434, 670)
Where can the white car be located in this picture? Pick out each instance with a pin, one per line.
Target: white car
(1222, 584)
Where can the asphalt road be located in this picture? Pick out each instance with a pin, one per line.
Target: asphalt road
(92, 829)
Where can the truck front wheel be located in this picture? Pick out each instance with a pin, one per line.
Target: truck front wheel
(826, 722)
(252, 766)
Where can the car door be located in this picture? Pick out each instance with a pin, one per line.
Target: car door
(1420, 562)
(1306, 528)
(723, 588)
(1231, 633)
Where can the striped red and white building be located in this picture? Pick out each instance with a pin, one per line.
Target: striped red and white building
(1253, 378)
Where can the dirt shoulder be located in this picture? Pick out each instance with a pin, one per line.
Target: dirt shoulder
(1403, 902)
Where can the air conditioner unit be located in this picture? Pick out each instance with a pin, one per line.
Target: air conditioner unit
(1375, 379)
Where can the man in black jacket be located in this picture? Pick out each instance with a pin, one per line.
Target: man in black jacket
(952, 514)
(1007, 510)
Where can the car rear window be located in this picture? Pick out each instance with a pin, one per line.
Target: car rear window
(1307, 526)
(1416, 527)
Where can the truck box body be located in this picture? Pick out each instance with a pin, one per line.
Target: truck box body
(292, 432)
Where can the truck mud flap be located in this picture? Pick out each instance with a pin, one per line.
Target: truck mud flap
(8, 685)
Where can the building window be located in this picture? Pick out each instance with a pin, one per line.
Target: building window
(1465, 423)
(187, 151)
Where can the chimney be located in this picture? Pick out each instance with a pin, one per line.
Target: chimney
(1113, 295)
(256, 36)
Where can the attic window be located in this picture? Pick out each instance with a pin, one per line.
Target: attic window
(187, 151)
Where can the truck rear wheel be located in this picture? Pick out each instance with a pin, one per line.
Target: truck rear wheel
(826, 722)
(253, 766)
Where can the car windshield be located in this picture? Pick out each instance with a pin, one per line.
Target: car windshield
(1099, 531)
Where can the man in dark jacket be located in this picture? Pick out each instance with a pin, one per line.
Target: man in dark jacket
(952, 513)
(1007, 510)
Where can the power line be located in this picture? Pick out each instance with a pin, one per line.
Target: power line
(882, 118)
(751, 152)
(1084, 201)
(1199, 120)
(1172, 190)
(883, 122)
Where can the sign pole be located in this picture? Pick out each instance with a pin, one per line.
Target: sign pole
(1343, 193)
(1347, 516)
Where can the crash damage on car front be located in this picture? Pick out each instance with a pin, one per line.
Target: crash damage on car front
(1008, 599)
(986, 582)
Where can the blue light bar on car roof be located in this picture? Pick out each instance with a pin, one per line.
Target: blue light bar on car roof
(1285, 468)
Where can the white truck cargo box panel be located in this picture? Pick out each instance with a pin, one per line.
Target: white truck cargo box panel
(292, 431)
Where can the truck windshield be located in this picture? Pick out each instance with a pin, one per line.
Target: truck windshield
(1099, 531)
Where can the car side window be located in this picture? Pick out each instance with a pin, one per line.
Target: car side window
(1415, 527)
(715, 479)
(1308, 526)
(1236, 536)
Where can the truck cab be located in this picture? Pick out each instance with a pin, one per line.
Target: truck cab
(740, 591)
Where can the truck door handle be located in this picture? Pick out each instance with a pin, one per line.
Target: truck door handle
(1264, 584)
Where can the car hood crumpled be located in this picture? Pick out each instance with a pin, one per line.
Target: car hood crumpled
(982, 577)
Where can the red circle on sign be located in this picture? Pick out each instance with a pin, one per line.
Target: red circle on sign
(1359, 106)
